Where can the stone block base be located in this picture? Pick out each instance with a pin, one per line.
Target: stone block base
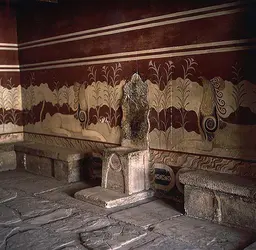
(62, 164)
(108, 198)
(225, 199)
(7, 160)
(199, 203)
(68, 171)
(39, 165)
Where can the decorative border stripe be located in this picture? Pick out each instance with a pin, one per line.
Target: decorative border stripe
(9, 70)
(206, 48)
(146, 57)
(10, 133)
(8, 46)
(142, 52)
(9, 66)
(81, 35)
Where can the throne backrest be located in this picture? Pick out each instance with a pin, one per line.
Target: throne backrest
(135, 108)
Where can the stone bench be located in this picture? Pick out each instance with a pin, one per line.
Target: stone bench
(61, 163)
(222, 198)
(7, 157)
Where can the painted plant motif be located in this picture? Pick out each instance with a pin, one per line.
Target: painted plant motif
(161, 99)
(3, 105)
(96, 95)
(57, 94)
(10, 104)
(184, 91)
(13, 102)
(238, 90)
(67, 92)
(111, 76)
(29, 99)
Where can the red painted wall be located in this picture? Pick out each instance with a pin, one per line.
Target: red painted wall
(172, 44)
(10, 96)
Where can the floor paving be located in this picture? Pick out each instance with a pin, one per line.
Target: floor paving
(40, 213)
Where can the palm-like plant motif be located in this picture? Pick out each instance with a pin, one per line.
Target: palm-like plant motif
(12, 102)
(3, 105)
(238, 89)
(184, 91)
(112, 75)
(96, 90)
(31, 97)
(57, 94)
(162, 77)
(66, 95)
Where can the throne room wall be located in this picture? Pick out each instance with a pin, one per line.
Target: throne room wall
(197, 59)
(11, 124)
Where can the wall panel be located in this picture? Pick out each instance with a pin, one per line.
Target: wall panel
(199, 66)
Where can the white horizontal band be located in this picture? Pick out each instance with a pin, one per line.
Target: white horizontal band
(146, 57)
(142, 52)
(8, 48)
(9, 45)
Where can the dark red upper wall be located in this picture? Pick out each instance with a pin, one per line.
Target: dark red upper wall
(8, 31)
(42, 20)
(8, 35)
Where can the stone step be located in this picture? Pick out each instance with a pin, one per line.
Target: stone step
(108, 198)
(7, 157)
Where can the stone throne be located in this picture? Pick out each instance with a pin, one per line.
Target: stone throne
(125, 170)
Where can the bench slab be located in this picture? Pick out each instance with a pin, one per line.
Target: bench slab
(52, 152)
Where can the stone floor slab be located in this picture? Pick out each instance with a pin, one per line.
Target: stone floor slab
(55, 220)
(68, 201)
(204, 234)
(29, 206)
(58, 214)
(6, 232)
(112, 237)
(8, 216)
(29, 183)
(147, 214)
(7, 195)
(38, 239)
(78, 223)
(149, 237)
(165, 243)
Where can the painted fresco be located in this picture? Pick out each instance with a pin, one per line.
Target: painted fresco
(207, 116)
(11, 115)
(192, 110)
(89, 110)
(10, 106)
(189, 112)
